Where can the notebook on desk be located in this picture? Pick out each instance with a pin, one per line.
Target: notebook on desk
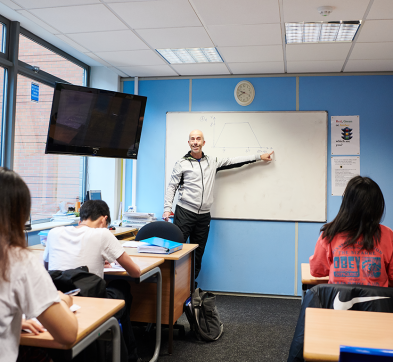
(159, 246)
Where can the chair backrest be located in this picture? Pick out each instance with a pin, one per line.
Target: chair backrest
(362, 354)
(160, 229)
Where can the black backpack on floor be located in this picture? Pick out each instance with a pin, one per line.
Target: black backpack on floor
(202, 314)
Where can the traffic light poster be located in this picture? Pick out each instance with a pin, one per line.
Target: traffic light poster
(345, 135)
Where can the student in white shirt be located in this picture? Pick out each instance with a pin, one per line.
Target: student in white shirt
(91, 244)
(25, 286)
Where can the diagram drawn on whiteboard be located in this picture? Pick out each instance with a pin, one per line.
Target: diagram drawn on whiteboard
(234, 135)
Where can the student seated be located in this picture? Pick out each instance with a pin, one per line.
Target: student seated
(25, 286)
(354, 248)
(91, 244)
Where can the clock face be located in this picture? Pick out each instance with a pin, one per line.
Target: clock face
(244, 93)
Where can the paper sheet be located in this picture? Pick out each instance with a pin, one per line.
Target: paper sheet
(133, 244)
(343, 169)
(115, 268)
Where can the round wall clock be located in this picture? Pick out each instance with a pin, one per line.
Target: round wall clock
(244, 93)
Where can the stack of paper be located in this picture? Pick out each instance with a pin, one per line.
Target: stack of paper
(137, 219)
(66, 217)
(159, 246)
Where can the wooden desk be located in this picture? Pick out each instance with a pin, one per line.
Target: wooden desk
(94, 319)
(125, 233)
(327, 329)
(308, 280)
(177, 282)
(149, 268)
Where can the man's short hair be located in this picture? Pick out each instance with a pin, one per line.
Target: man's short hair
(93, 209)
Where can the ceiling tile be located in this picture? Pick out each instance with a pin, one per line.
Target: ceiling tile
(257, 67)
(109, 40)
(76, 19)
(315, 66)
(72, 43)
(251, 54)
(218, 12)
(306, 10)
(242, 35)
(98, 59)
(364, 51)
(381, 9)
(130, 58)
(157, 14)
(11, 4)
(369, 66)
(328, 51)
(201, 69)
(35, 4)
(195, 37)
(149, 71)
(37, 21)
(376, 31)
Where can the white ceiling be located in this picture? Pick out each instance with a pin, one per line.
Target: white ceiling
(123, 34)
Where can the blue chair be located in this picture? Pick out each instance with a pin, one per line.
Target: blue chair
(360, 354)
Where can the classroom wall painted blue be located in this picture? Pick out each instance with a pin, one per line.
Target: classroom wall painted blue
(369, 97)
(259, 256)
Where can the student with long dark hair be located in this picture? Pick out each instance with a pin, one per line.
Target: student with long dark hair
(25, 285)
(355, 248)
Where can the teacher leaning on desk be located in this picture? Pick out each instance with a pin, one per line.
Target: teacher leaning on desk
(194, 176)
(25, 286)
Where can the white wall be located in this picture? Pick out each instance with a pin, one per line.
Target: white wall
(104, 173)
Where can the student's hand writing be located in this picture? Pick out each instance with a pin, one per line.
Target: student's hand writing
(33, 326)
(266, 156)
(66, 298)
(107, 264)
(165, 215)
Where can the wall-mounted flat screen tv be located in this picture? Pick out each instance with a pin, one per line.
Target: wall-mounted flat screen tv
(95, 122)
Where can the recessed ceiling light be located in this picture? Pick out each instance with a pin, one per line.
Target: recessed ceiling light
(340, 31)
(190, 55)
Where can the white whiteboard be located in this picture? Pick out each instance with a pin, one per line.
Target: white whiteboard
(292, 187)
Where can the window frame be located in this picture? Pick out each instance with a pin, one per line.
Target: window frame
(9, 60)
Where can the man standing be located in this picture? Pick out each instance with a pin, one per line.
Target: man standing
(194, 176)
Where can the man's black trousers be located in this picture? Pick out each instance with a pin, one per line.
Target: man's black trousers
(196, 227)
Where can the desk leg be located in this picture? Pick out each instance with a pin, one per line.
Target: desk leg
(111, 324)
(158, 321)
(193, 271)
(171, 307)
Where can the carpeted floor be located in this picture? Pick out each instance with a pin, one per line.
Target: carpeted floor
(255, 330)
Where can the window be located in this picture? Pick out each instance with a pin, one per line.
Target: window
(2, 33)
(36, 55)
(2, 70)
(51, 178)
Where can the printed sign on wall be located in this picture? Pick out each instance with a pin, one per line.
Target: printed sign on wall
(35, 92)
(345, 135)
(343, 169)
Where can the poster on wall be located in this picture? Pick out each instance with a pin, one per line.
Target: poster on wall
(345, 135)
(343, 169)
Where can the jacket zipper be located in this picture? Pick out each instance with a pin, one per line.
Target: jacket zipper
(203, 187)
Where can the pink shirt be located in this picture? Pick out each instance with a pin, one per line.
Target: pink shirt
(354, 266)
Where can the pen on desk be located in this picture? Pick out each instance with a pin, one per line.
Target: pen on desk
(73, 292)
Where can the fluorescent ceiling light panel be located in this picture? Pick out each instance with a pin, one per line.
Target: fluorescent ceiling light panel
(319, 32)
(191, 55)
